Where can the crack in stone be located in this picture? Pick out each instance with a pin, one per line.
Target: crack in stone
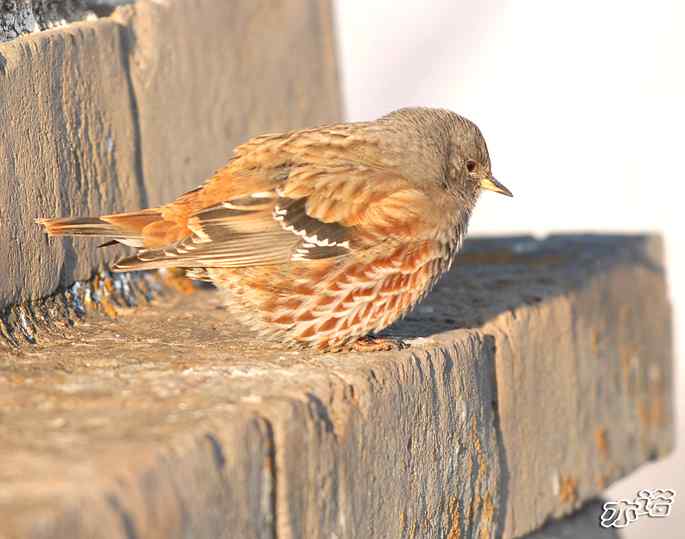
(127, 522)
(273, 473)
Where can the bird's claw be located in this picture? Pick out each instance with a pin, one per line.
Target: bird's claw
(378, 344)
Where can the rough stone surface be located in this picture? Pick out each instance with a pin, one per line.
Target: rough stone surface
(18, 17)
(135, 108)
(582, 525)
(539, 372)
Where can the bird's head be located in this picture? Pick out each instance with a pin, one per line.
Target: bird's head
(438, 145)
(468, 163)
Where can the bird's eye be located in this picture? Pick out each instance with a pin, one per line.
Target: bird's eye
(470, 165)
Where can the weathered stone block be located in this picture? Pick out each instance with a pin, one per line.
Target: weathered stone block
(135, 108)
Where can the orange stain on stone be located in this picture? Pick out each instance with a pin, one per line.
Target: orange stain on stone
(601, 442)
(568, 489)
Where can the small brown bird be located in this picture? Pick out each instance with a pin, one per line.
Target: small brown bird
(319, 236)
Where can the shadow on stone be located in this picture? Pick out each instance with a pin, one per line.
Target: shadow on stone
(584, 523)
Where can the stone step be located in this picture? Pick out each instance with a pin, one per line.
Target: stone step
(538, 372)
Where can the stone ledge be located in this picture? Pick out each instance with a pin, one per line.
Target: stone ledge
(174, 422)
(133, 109)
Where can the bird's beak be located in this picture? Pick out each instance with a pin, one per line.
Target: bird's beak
(491, 184)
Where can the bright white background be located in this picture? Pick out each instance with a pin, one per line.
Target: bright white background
(582, 105)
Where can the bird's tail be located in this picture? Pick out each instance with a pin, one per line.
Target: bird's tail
(125, 228)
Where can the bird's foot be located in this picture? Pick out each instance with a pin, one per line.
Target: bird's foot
(378, 344)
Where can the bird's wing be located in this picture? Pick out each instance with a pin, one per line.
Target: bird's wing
(277, 203)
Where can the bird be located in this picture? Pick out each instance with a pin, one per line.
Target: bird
(319, 237)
